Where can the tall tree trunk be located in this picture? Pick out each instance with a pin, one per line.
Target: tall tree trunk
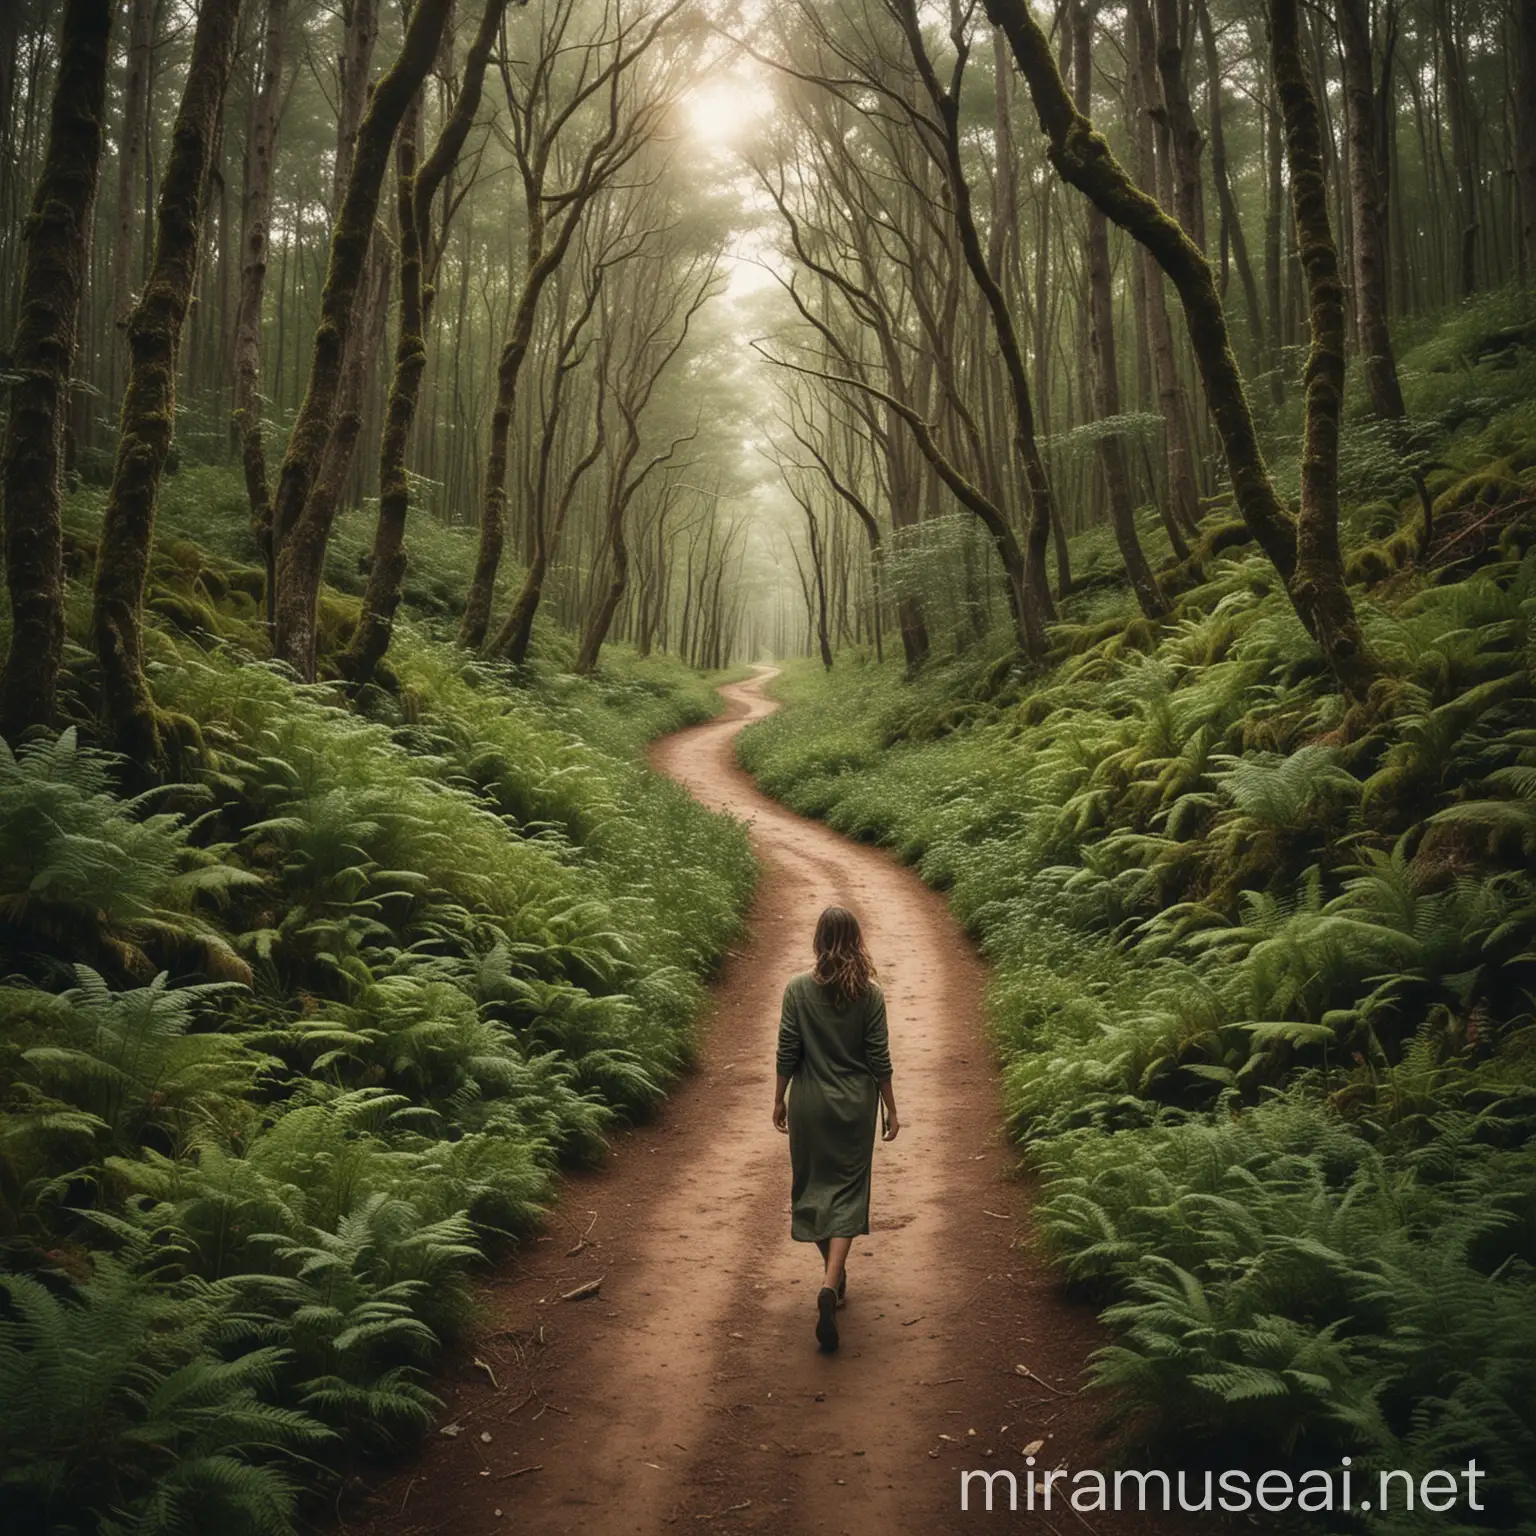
(54, 272)
(255, 243)
(301, 525)
(418, 250)
(1525, 126)
(1173, 406)
(1028, 592)
(596, 631)
(1274, 248)
(130, 166)
(1084, 159)
(1101, 346)
(1319, 564)
(360, 31)
(149, 406)
(1458, 110)
(1183, 131)
(1369, 204)
(1231, 220)
(819, 567)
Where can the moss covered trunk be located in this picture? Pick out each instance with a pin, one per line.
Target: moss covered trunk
(302, 529)
(1368, 207)
(1172, 399)
(1319, 577)
(54, 271)
(1084, 159)
(1105, 364)
(149, 405)
(493, 494)
(1525, 129)
(416, 187)
(255, 242)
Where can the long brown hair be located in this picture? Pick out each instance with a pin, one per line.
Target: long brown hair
(842, 964)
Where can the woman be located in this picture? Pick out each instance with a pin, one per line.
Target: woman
(833, 1048)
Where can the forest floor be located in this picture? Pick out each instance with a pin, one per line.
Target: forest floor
(687, 1393)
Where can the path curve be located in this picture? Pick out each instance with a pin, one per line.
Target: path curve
(688, 1394)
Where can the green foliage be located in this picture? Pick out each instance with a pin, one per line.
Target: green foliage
(288, 1048)
(1264, 977)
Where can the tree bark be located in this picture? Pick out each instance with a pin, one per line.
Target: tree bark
(1231, 220)
(1083, 158)
(1183, 131)
(53, 275)
(1025, 571)
(1369, 205)
(418, 252)
(149, 406)
(130, 165)
(1525, 126)
(360, 31)
(1319, 578)
(301, 525)
(1101, 347)
(255, 244)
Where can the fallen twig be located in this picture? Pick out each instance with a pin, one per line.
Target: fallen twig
(728, 1510)
(582, 1292)
(1024, 1370)
(501, 1477)
(581, 1242)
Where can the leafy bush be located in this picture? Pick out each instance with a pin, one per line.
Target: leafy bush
(1263, 989)
(287, 1049)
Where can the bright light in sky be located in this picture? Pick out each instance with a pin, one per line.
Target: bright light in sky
(722, 109)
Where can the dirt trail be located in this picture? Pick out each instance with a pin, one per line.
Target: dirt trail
(689, 1394)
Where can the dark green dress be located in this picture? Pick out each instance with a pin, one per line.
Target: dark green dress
(833, 1057)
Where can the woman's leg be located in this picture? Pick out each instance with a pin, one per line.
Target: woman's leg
(836, 1255)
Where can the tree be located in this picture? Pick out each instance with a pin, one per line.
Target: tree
(1026, 594)
(1106, 371)
(1084, 159)
(149, 403)
(301, 517)
(255, 241)
(421, 252)
(544, 98)
(130, 164)
(1525, 126)
(1318, 582)
(1368, 211)
(57, 236)
(668, 284)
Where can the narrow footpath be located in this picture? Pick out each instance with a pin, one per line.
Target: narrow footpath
(685, 1392)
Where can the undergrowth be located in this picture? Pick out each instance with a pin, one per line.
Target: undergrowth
(290, 1046)
(1264, 966)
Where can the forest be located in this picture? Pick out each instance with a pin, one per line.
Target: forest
(1115, 420)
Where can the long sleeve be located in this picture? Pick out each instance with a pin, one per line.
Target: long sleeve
(877, 1044)
(789, 1033)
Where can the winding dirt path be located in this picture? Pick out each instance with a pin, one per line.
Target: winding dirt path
(688, 1394)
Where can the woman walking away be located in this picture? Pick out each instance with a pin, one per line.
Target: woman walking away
(833, 1048)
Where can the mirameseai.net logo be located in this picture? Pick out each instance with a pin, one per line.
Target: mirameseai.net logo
(1235, 1492)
